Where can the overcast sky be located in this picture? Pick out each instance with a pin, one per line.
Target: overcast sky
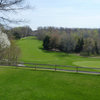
(63, 13)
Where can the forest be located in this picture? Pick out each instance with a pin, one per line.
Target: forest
(86, 42)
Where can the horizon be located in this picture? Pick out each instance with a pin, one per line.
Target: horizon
(57, 27)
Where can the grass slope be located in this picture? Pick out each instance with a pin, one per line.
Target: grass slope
(21, 84)
(32, 52)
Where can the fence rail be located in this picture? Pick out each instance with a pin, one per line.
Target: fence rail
(67, 68)
(63, 68)
(60, 65)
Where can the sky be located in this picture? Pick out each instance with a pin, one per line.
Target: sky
(62, 13)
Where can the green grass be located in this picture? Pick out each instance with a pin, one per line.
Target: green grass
(32, 52)
(95, 64)
(27, 84)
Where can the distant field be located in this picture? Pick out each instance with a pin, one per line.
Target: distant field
(27, 84)
(32, 52)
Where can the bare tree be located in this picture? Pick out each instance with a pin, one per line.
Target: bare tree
(10, 6)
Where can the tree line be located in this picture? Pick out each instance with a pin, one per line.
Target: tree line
(83, 41)
(19, 32)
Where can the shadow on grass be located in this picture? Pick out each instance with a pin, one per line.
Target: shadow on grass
(57, 53)
(62, 55)
(33, 38)
(46, 51)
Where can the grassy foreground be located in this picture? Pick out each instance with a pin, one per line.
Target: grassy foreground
(22, 84)
(32, 52)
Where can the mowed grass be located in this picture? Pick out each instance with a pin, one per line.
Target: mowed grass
(32, 52)
(28, 84)
(95, 64)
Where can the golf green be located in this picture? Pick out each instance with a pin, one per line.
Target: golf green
(95, 64)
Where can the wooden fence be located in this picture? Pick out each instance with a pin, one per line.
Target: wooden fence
(76, 69)
(67, 68)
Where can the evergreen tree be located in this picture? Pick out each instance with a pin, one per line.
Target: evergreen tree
(79, 45)
(77, 48)
(46, 43)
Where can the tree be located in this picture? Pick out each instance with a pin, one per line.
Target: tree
(20, 32)
(54, 41)
(17, 35)
(96, 48)
(46, 43)
(2, 53)
(9, 6)
(79, 45)
(86, 41)
(9, 52)
(4, 44)
(12, 54)
(63, 43)
(89, 46)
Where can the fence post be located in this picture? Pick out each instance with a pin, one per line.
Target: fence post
(55, 68)
(76, 69)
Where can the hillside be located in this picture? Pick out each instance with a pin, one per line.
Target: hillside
(28, 84)
(32, 51)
